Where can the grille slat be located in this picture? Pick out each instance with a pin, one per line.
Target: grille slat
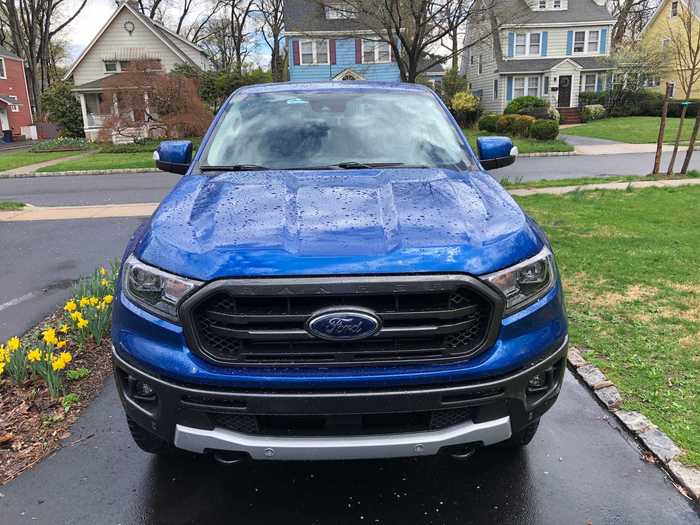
(423, 318)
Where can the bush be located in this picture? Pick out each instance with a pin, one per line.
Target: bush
(504, 124)
(544, 130)
(488, 122)
(592, 112)
(452, 83)
(63, 109)
(515, 105)
(546, 113)
(588, 98)
(521, 125)
(465, 107)
(61, 144)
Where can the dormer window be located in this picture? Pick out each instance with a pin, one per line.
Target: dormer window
(556, 4)
(340, 11)
(542, 4)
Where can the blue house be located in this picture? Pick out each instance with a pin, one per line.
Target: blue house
(328, 41)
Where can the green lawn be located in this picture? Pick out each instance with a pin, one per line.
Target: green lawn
(629, 263)
(11, 205)
(584, 181)
(106, 161)
(634, 130)
(524, 145)
(17, 159)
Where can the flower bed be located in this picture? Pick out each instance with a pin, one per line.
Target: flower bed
(52, 372)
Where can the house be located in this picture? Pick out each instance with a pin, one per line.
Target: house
(127, 36)
(668, 20)
(553, 49)
(15, 108)
(330, 42)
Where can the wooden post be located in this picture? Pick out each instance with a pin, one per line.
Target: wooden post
(662, 129)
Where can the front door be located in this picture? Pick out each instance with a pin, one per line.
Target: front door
(564, 91)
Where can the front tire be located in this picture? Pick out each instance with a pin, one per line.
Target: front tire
(523, 436)
(147, 441)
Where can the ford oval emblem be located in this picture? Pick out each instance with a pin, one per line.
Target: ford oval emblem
(343, 325)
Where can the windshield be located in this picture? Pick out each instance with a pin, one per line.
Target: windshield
(341, 129)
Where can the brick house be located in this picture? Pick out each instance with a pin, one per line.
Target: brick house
(15, 108)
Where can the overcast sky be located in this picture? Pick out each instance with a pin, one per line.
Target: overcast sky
(88, 23)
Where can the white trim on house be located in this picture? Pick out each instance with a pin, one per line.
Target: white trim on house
(178, 52)
(377, 45)
(560, 24)
(329, 33)
(4, 68)
(348, 72)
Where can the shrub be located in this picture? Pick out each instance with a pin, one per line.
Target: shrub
(515, 105)
(587, 98)
(504, 124)
(62, 108)
(592, 112)
(544, 129)
(547, 113)
(465, 107)
(488, 122)
(61, 144)
(521, 125)
(452, 83)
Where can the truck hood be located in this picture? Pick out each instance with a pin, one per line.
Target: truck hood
(329, 222)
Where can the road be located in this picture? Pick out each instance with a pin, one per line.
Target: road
(581, 467)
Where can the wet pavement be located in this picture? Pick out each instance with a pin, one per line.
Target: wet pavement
(580, 468)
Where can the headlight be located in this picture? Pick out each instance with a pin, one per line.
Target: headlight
(525, 282)
(154, 290)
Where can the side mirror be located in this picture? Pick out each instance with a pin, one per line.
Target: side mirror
(496, 152)
(174, 156)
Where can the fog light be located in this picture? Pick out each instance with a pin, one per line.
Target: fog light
(538, 382)
(143, 390)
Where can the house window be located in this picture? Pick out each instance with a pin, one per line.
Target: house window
(471, 60)
(314, 52)
(556, 4)
(579, 41)
(593, 41)
(665, 43)
(527, 44)
(481, 64)
(589, 82)
(674, 8)
(340, 11)
(519, 87)
(111, 66)
(2, 68)
(533, 84)
(374, 52)
(543, 4)
(671, 89)
(495, 89)
(14, 108)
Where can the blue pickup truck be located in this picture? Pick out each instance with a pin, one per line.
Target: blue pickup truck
(337, 277)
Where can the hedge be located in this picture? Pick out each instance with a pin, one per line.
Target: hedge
(544, 130)
(515, 105)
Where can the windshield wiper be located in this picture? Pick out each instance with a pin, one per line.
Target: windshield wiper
(364, 165)
(233, 167)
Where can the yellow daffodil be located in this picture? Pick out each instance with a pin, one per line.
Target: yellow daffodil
(64, 329)
(84, 301)
(70, 306)
(94, 301)
(4, 354)
(107, 299)
(103, 271)
(58, 364)
(34, 355)
(2, 368)
(13, 343)
(76, 316)
(104, 282)
(65, 357)
(60, 344)
(82, 323)
(49, 336)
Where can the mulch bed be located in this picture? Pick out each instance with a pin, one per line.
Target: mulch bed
(32, 425)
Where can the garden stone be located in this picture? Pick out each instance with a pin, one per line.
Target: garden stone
(660, 444)
(575, 358)
(592, 375)
(609, 395)
(635, 421)
(689, 477)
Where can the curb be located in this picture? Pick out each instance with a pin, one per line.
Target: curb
(74, 173)
(548, 154)
(663, 449)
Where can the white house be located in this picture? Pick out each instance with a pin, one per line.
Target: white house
(128, 35)
(552, 49)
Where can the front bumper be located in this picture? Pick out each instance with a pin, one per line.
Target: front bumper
(182, 414)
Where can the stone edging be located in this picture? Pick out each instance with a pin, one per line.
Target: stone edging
(549, 154)
(657, 442)
(73, 173)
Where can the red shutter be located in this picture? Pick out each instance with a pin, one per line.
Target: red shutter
(331, 50)
(358, 51)
(295, 52)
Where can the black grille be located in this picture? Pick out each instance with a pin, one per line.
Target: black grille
(262, 322)
(341, 425)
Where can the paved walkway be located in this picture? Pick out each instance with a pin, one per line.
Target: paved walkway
(33, 168)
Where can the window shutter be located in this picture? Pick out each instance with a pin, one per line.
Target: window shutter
(331, 50)
(509, 89)
(511, 44)
(358, 51)
(543, 47)
(569, 42)
(295, 52)
(603, 40)
(599, 83)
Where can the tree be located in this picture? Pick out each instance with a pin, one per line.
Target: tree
(29, 27)
(62, 108)
(631, 16)
(272, 27)
(452, 83)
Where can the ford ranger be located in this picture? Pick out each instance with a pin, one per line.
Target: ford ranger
(337, 276)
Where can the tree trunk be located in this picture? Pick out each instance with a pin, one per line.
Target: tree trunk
(669, 171)
(662, 129)
(691, 145)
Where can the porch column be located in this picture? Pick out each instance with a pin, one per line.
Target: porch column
(83, 108)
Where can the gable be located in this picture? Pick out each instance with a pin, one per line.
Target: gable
(659, 22)
(114, 42)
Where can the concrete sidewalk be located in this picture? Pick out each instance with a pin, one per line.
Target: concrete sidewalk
(594, 146)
